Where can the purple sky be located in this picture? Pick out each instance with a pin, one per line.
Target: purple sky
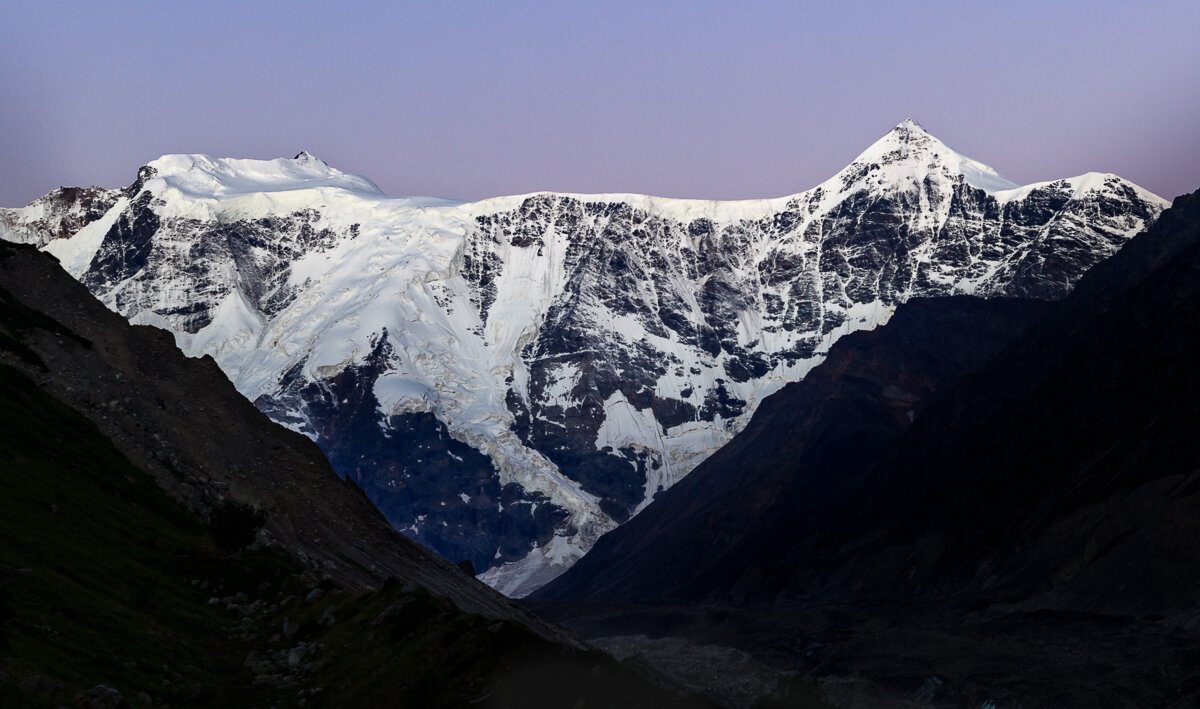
(684, 99)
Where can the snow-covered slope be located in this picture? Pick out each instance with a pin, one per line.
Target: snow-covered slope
(510, 378)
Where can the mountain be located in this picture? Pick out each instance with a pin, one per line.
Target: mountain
(1022, 533)
(162, 542)
(511, 378)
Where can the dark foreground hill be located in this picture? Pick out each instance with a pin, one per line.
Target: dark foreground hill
(163, 543)
(1028, 541)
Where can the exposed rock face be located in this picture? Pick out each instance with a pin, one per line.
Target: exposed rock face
(509, 379)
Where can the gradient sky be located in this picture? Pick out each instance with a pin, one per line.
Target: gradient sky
(683, 99)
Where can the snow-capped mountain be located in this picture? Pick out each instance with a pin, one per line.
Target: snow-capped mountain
(509, 379)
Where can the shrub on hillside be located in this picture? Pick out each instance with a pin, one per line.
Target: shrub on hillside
(234, 524)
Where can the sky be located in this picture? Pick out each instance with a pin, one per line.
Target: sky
(714, 100)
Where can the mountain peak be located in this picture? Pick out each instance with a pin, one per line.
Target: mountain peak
(909, 154)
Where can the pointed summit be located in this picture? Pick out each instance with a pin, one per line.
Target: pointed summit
(908, 154)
